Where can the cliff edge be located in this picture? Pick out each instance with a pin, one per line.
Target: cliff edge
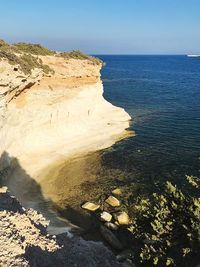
(52, 106)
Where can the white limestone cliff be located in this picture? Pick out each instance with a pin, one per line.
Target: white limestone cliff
(47, 117)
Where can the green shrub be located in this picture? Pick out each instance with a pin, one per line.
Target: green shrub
(76, 54)
(12, 58)
(34, 49)
(167, 227)
(26, 62)
(3, 44)
(5, 47)
(24, 55)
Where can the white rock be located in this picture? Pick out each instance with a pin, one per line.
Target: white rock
(112, 201)
(105, 216)
(90, 206)
(3, 189)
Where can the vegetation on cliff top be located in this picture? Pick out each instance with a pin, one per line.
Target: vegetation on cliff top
(34, 49)
(26, 62)
(27, 56)
(24, 55)
(19, 48)
(77, 54)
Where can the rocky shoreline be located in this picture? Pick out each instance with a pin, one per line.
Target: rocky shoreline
(113, 222)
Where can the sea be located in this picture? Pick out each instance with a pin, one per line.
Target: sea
(162, 96)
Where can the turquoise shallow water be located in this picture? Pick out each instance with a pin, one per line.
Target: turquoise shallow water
(162, 95)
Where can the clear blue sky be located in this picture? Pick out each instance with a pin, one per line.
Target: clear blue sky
(104, 26)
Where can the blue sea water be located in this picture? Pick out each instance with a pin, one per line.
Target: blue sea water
(162, 95)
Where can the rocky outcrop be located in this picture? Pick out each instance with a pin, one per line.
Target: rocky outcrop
(45, 117)
(25, 241)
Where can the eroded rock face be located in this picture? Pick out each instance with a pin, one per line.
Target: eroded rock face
(25, 242)
(46, 117)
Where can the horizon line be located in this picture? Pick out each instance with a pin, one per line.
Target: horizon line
(103, 54)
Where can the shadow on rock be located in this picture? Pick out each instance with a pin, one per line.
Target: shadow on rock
(75, 252)
(29, 193)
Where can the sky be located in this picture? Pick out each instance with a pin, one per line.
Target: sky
(104, 26)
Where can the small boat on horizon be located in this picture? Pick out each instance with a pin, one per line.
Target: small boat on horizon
(194, 55)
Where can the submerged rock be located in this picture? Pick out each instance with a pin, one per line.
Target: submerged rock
(113, 201)
(90, 206)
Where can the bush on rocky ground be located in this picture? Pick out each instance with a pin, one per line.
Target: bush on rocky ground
(167, 226)
(76, 54)
(162, 229)
(24, 55)
(27, 56)
(26, 62)
(34, 49)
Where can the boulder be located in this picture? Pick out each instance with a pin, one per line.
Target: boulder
(110, 237)
(105, 216)
(122, 218)
(3, 189)
(117, 192)
(113, 201)
(90, 206)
